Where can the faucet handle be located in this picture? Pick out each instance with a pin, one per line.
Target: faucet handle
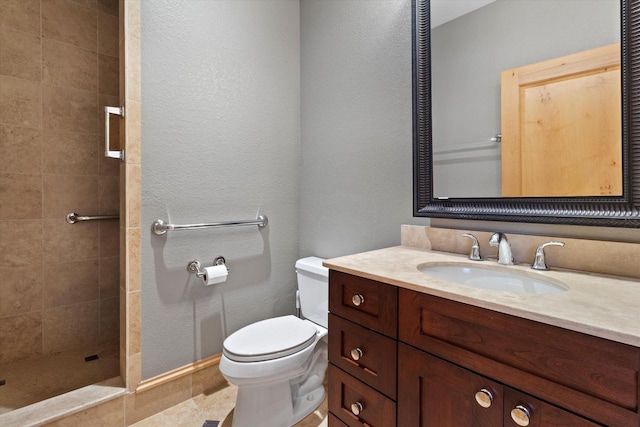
(538, 260)
(474, 255)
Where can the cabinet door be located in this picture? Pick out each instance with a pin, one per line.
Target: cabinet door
(436, 393)
(520, 409)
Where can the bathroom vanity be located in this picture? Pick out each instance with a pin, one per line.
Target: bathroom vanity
(407, 349)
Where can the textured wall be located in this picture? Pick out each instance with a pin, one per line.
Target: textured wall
(220, 141)
(356, 173)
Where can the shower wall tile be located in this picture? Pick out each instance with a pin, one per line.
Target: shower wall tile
(21, 149)
(21, 15)
(21, 243)
(64, 242)
(71, 23)
(109, 194)
(108, 34)
(69, 109)
(68, 66)
(70, 326)
(20, 102)
(71, 283)
(21, 337)
(109, 318)
(20, 196)
(109, 239)
(133, 131)
(133, 18)
(133, 258)
(109, 277)
(93, 4)
(108, 6)
(70, 153)
(20, 290)
(19, 54)
(134, 322)
(132, 76)
(108, 75)
(58, 200)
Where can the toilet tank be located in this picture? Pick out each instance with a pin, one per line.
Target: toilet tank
(313, 285)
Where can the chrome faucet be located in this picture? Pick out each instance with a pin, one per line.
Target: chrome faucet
(539, 262)
(474, 255)
(504, 248)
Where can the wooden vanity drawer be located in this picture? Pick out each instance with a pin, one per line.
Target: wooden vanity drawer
(365, 302)
(568, 366)
(376, 358)
(335, 421)
(377, 410)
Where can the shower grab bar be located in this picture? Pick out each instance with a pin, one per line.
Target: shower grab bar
(112, 154)
(159, 227)
(73, 217)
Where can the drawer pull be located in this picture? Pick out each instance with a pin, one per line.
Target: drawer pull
(521, 415)
(357, 300)
(356, 354)
(356, 408)
(484, 398)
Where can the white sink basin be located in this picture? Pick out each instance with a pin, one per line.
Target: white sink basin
(496, 279)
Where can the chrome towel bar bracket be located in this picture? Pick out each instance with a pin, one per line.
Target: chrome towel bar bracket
(159, 227)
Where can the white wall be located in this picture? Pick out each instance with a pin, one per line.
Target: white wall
(356, 172)
(220, 141)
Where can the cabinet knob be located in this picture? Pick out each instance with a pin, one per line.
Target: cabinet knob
(484, 398)
(356, 354)
(521, 415)
(357, 300)
(356, 408)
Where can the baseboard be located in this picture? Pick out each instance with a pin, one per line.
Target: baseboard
(178, 373)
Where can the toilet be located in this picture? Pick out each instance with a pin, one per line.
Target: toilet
(279, 364)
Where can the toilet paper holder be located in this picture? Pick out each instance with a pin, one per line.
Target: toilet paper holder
(194, 266)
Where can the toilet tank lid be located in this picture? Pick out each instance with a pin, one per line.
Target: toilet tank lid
(312, 264)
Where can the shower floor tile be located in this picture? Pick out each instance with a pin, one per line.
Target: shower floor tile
(33, 380)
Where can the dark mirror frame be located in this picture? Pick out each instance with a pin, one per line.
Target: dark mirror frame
(623, 211)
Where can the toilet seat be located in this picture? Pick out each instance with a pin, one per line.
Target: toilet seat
(270, 339)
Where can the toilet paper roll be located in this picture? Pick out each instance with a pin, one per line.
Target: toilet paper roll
(214, 274)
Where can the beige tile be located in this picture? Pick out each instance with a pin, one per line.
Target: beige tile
(70, 326)
(70, 283)
(133, 127)
(133, 18)
(63, 194)
(143, 405)
(108, 75)
(21, 336)
(133, 195)
(20, 196)
(20, 290)
(19, 54)
(134, 322)
(108, 34)
(109, 239)
(109, 318)
(21, 15)
(21, 149)
(109, 277)
(71, 23)
(21, 243)
(68, 66)
(135, 371)
(133, 259)
(20, 102)
(133, 69)
(207, 380)
(70, 153)
(109, 414)
(69, 109)
(109, 194)
(64, 242)
(108, 6)
(93, 4)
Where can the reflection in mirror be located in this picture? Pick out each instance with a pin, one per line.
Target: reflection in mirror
(552, 142)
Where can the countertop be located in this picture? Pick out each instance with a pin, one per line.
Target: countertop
(594, 304)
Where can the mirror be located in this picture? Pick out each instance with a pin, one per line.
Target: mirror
(458, 111)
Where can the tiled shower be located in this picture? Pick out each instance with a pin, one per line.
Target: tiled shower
(59, 282)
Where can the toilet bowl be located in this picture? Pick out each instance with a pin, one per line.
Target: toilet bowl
(279, 364)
